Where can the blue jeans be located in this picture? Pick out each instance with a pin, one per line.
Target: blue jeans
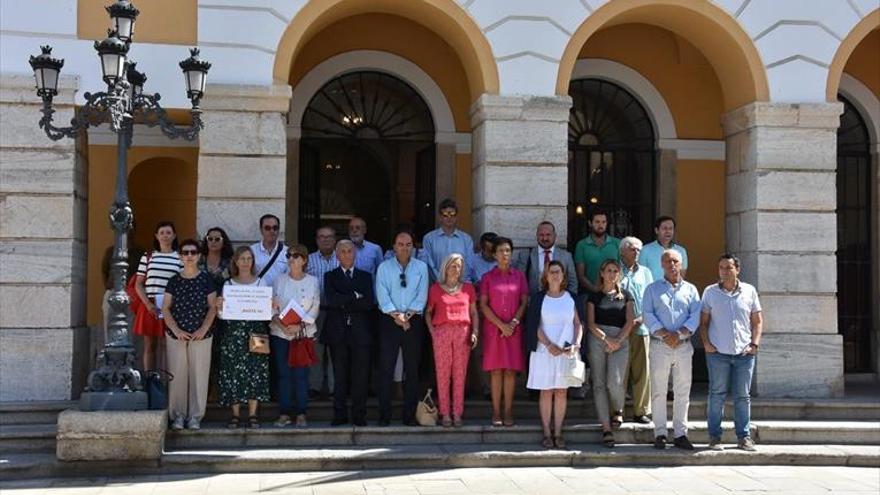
(730, 374)
(293, 383)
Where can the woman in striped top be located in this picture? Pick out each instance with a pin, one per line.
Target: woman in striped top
(154, 271)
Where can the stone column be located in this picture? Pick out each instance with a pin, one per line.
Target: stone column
(43, 339)
(781, 201)
(520, 165)
(242, 158)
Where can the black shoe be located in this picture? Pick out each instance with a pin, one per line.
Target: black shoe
(644, 420)
(682, 442)
(359, 422)
(338, 422)
(384, 422)
(660, 443)
(314, 394)
(410, 422)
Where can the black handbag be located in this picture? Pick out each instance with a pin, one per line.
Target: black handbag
(157, 388)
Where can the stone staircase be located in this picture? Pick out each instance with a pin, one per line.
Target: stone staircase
(788, 432)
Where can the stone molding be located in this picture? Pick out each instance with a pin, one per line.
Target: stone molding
(110, 435)
(247, 98)
(519, 108)
(791, 115)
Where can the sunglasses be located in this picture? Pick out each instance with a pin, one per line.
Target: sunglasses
(189, 252)
(214, 239)
(403, 280)
(270, 227)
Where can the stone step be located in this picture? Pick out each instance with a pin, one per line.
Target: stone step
(27, 438)
(216, 436)
(322, 410)
(20, 466)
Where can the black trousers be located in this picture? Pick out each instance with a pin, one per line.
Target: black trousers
(351, 375)
(391, 339)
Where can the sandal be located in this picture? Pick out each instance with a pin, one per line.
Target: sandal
(608, 439)
(508, 421)
(283, 420)
(496, 421)
(457, 422)
(253, 422)
(446, 422)
(233, 423)
(560, 442)
(547, 443)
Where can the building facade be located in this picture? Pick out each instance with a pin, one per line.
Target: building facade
(754, 122)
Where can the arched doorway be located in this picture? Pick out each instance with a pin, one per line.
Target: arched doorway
(367, 149)
(855, 294)
(611, 160)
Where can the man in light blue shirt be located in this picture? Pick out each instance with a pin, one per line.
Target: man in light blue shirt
(402, 292)
(483, 262)
(672, 313)
(447, 239)
(635, 278)
(368, 255)
(730, 327)
(664, 229)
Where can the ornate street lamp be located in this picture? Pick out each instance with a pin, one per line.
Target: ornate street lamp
(115, 384)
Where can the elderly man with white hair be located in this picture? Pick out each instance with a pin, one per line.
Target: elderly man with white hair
(635, 278)
(672, 313)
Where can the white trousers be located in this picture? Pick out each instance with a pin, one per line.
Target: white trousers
(190, 363)
(678, 361)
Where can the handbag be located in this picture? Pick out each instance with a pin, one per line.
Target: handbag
(426, 411)
(258, 343)
(575, 372)
(157, 389)
(302, 353)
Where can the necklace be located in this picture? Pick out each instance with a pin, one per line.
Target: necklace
(453, 289)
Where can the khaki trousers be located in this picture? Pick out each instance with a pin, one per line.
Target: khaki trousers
(677, 362)
(190, 363)
(638, 374)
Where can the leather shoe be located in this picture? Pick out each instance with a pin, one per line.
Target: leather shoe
(410, 422)
(359, 422)
(682, 442)
(384, 422)
(660, 443)
(338, 422)
(644, 420)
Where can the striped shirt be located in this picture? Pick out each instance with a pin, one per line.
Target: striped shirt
(318, 266)
(158, 271)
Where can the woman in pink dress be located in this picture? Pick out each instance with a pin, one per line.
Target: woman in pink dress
(504, 294)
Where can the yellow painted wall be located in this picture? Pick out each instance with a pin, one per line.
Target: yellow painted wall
(700, 217)
(674, 66)
(864, 63)
(401, 37)
(160, 21)
(152, 198)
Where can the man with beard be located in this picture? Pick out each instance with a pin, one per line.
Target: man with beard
(532, 262)
(592, 250)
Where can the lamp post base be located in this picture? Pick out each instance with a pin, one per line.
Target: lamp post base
(113, 401)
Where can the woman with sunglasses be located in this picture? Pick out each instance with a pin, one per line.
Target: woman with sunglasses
(243, 376)
(189, 308)
(504, 294)
(216, 257)
(293, 382)
(153, 273)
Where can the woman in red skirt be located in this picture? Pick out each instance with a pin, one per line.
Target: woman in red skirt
(154, 271)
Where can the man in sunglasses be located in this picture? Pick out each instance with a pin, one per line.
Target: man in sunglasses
(270, 254)
(402, 292)
(447, 239)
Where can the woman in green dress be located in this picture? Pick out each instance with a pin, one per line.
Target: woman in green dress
(243, 375)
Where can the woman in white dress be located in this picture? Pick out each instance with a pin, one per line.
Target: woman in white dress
(554, 336)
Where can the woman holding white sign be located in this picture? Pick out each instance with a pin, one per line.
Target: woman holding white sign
(298, 300)
(243, 374)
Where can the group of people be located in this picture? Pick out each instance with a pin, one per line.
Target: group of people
(519, 312)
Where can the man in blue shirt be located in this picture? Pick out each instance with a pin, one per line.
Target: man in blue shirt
(483, 262)
(368, 255)
(664, 229)
(672, 313)
(402, 292)
(441, 242)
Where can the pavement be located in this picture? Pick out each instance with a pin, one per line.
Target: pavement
(690, 480)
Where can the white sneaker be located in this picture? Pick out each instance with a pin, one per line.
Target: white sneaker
(193, 424)
(177, 424)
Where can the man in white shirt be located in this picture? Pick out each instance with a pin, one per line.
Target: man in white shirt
(532, 261)
(270, 254)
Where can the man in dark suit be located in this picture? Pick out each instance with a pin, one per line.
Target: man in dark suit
(348, 301)
(532, 261)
